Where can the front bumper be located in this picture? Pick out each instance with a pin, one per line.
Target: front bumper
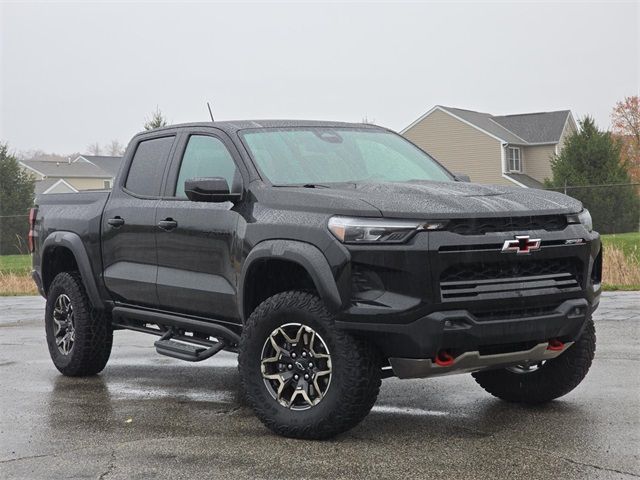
(412, 308)
(459, 331)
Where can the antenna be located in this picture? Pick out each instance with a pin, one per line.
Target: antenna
(210, 113)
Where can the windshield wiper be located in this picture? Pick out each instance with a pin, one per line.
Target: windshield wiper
(304, 185)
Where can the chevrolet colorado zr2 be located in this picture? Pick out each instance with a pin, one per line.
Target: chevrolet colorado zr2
(328, 256)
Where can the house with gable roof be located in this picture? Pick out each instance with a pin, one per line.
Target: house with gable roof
(494, 149)
(66, 177)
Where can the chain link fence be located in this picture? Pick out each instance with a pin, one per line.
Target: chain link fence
(615, 208)
(13, 234)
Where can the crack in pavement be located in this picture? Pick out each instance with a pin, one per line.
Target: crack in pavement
(110, 466)
(230, 411)
(29, 457)
(582, 464)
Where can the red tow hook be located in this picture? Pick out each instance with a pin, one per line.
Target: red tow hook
(444, 359)
(555, 345)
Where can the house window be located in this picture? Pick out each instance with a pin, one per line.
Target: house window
(514, 159)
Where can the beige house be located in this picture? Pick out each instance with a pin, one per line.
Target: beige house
(67, 177)
(504, 149)
(109, 164)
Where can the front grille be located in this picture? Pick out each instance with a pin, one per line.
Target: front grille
(480, 226)
(484, 281)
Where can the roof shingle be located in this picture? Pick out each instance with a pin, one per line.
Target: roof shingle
(518, 129)
(66, 170)
(109, 164)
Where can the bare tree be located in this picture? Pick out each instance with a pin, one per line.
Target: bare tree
(625, 120)
(115, 148)
(94, 149)
(157, 120)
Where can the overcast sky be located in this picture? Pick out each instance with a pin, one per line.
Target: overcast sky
(77, 73)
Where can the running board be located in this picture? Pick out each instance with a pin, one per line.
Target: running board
(185, 351)
(123, 315)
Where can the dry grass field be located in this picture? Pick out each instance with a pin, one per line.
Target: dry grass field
(620, 271)
(17, 284)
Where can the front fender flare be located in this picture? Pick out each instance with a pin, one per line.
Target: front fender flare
(307, 256)
(74, 243)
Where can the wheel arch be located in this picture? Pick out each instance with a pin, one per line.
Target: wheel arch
(301, 256)
(64, 251)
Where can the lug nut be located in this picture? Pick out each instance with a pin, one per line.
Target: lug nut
(293, 355)
(310, 364)
(290, 366)
(306, 376)
(296, 376)
(304, 354)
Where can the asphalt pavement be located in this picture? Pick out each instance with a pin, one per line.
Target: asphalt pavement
(148, 416)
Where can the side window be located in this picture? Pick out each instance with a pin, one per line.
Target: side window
(206, 157)
(514, 159)
(147, 166)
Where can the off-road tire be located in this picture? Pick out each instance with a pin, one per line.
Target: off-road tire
(93, 331)
(355, 381)
(553, 379)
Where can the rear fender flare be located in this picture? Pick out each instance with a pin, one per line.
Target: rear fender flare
(74, 243)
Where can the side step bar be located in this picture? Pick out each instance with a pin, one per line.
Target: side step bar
(186, 351)
(173, 327)
(121, 314)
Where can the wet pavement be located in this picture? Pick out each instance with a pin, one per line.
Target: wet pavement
(148, 416)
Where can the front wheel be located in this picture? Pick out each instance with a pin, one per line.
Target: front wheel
(302, 377)
(541, 383)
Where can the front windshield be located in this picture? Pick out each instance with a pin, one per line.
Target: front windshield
(319, 155)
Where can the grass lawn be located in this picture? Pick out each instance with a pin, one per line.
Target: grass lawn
(18, 264)
(15, 275)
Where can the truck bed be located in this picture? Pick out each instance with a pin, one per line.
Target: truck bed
(80, 213)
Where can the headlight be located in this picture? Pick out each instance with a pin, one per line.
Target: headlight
(377, 230)
(584, 217)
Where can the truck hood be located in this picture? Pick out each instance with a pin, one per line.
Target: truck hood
(426, 200)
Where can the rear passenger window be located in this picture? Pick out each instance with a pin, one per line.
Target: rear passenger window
(207, 157)
(147, 166)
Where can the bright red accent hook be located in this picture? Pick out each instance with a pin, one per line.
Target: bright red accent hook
(555, 345)
(444, 359)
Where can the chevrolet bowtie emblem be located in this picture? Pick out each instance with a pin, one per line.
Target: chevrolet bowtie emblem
(522, 245)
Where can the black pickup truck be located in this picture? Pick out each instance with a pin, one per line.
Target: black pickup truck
(329, 256)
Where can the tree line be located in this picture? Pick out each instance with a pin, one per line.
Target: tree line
(601, 169)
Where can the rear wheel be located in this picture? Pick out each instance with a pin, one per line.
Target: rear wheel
(546, 381)
(302, 377)
(79, 338)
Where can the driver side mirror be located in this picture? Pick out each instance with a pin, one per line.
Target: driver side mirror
(209, 189)
(462, 177)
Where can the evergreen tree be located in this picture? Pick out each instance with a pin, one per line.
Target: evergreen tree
(16, 197)
(592, 157)
(157, 120)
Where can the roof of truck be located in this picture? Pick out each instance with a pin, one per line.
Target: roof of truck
(233, 126)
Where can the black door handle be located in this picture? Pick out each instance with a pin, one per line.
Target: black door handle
(167, 224)
(116, 222)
